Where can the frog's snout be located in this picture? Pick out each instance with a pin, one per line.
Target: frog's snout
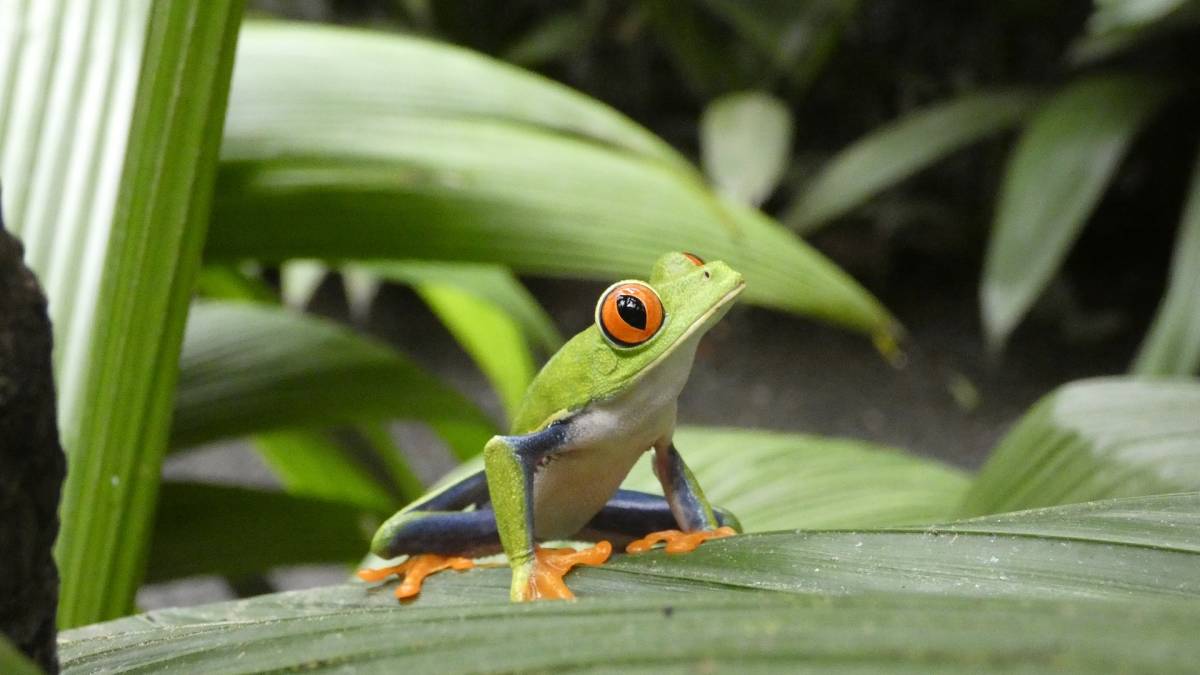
(724, 274)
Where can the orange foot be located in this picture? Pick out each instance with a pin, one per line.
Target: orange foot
(415, 569)
(546, 582)
(678, 542)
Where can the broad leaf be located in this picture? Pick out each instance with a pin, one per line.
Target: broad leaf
(1094, 439)
(315, 464)
(740, 633)
(489, 314)
(1173, 345)
(973, 596)
(233, 531)
(248, 368)
(489, 336)
(338, 466)
(107, 171)
(898, 150)
(776, 481)
(770, 480)
(492, 283)
(357, 179)
(308, 71)
(745, 142)
(1055, 177)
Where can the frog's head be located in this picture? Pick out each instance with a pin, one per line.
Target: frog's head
(642, 321)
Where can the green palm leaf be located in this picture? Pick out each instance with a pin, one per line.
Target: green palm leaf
(1056, 175)
(248, 368)
(1094, 439)
(972, 596)
(107, 173)
(442, 178)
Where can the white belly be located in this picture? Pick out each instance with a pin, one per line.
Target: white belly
(605, 441)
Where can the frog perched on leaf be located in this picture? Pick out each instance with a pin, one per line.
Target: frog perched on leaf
(605, 398)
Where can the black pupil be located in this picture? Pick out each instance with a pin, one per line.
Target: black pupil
(632, 311)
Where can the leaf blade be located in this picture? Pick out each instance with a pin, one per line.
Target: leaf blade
(1095, 439)
(745, 143)
(1038, 605)
(1054, 178)
(113, 170)
(902, 148)
(784, 481)
(1172, 346)
(474, 189)
(492, 283)
(192, 534)
(283, 369)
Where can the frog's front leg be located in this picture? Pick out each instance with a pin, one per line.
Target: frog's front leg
(510, 463)
(696, 519)
(435, 535)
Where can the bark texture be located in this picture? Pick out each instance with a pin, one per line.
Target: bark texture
(32, 464)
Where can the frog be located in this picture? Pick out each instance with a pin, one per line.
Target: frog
(607, 397)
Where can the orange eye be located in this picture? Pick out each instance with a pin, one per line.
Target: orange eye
(629, 313)
(696, 260)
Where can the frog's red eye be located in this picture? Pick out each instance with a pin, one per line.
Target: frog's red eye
(629, 313)
(696, 260)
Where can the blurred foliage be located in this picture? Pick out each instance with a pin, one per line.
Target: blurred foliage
(380, 156)
(884, 96)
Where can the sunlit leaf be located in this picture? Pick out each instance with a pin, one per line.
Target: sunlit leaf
(250, 368)
(900, 149)
(298, 281)
(1094, 439)
(982, 596)
(357, 179)
(288, 73)
(230, 282)
(745, 141)
(1057, 173)
(1173, 345)
(490, 336)
(774, 480)
(313, 464)
(318, 462)
(491, 283)
(107, 173)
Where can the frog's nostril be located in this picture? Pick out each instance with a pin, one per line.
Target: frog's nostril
(707, 274)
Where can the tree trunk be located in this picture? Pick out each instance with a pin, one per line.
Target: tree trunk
(31, 462)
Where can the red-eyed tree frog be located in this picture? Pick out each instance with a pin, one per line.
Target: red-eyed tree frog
(605, 398)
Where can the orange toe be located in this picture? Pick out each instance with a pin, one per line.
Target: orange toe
(678, 542)
(414, 571)
(552, 564)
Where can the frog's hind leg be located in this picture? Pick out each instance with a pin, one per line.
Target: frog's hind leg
(697, 520)
(630, 517)
(434, 541)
